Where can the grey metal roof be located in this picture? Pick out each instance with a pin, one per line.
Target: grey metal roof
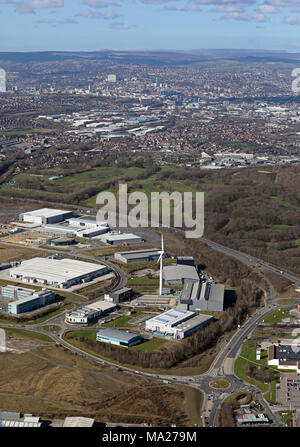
(287, 352)
(180, 272)
(115, 333)
(119, 291)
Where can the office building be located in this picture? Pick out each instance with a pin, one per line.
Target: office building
(31, 302)
(284, 357)
(119, 296)
(177, 323)
(45, 216)
(117, 337)
(90, 312)
(61, 273)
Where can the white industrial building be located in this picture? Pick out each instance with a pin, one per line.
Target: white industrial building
(45, 216)
(86, 222)
(62, 273)
(90, 312)
(124, 238)
(177, 323)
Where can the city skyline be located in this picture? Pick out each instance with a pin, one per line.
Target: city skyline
(87, 25)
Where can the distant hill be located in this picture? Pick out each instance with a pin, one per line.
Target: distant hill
(150, 57)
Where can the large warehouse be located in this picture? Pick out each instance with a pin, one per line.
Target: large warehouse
(90, 312)
(177, 274)
(45, 216)
(202, 296)
(125, 238)
(117, 337)
(178, 323)
(151, 254)
(62, 273)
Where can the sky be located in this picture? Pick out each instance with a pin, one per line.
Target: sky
(88, 25)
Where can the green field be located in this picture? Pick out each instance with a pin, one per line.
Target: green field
(248, 355)
(31, 334)
(50, 315)
(143, 280)
(276, 317)
(121, 321)
(150, 345)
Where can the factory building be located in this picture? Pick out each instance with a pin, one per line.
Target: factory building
(116, 239)
(89, 313)
(119, 296)
(203, 296)
(30, 302)
(62, 273)
(177, 274)
(284, 357)
(177, 323)
(117, 337)
(92, 232)
(126, 257)
(15, 293)
(45, 216)
(86, 222)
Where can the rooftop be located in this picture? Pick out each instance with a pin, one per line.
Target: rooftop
(115, 333)
(46, 212)
(57, 270)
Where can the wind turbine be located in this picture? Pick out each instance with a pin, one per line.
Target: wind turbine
(160, 259)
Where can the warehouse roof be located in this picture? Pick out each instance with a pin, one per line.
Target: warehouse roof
(100, 305)
(119, 291)
(116, 237)
(172, 317)
(46, 212)
(139, 253)
(78, 422)
(57, 270)
(193, 322)
(180, 272)
(115, 333)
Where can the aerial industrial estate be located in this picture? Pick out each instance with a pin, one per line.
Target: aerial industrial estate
(143, 326)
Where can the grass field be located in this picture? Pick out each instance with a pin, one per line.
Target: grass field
(31, 334)
(286, 302)
(10, 253)
(276, 317)
(51, 314)
(150, 345)
(122, 321)
(54, 383)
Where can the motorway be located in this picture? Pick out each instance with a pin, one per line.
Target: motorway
(222, 366)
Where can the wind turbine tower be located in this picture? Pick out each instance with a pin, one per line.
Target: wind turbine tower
(161, 257)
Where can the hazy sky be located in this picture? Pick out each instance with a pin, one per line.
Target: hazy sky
(27, 25)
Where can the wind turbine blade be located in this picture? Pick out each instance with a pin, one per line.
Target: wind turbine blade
(162, 243)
